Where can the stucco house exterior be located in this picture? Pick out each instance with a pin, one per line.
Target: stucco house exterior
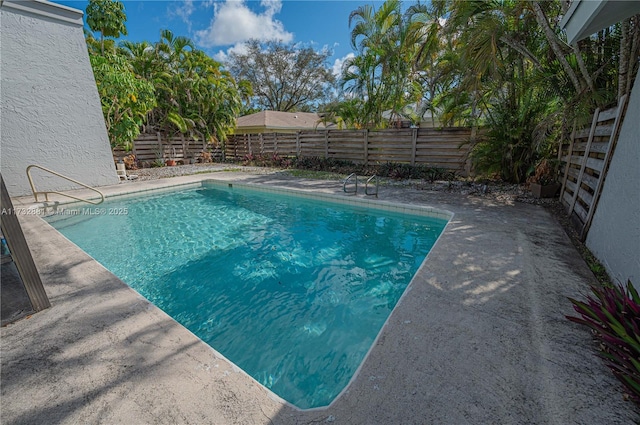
(50, 107)
(614, 236)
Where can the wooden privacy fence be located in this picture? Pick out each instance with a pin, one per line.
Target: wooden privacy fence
(446, 148)
(158, 146)
(586, 159)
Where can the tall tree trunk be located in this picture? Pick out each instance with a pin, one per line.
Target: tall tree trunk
(553, 41)
(518, 47)
(623, 66)
(634, 56)
(583, 67)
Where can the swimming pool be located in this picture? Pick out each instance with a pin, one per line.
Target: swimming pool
(291, 289)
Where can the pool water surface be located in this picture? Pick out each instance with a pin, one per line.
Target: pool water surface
(292, 290)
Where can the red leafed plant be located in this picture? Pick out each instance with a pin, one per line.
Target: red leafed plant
(613, 313)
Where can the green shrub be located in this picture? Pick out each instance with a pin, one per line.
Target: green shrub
(393, 170)
(613, 313)
(323, 164)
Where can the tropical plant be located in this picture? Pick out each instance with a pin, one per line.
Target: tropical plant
(106, 17)
(381, 71)
(509, 78)
(170, 85)
(613, 314)
(545, 172)
(142, 57)
(503, 63)
(513, 142)
(349, 113)
(125, 99)
(195, 95)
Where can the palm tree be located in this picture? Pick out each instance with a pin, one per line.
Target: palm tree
(360, 74)
(141, 57)
(194, 95)
(173, 49)
(379, 72)
(515, 71)
(393, 47)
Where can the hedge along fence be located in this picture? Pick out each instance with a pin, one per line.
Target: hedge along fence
(152, 147)
(446, 148)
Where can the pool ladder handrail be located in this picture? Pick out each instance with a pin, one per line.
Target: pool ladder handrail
(47, 192)
(344, 183)
(366, 186)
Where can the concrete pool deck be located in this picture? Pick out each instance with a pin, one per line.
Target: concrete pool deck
(480, 336)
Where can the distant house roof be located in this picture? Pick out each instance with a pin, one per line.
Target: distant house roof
(588, 17)
(426, 120)
(276, 121)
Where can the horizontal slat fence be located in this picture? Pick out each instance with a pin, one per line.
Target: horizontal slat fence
(586, 159)
(446, 148)
(150, 147)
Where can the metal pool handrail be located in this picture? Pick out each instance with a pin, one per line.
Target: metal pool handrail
(366, 186)
(344, 185)
(46, 193)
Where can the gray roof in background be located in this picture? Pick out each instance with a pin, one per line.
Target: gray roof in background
(281, 120)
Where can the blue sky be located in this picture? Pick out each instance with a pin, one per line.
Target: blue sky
(217, 26)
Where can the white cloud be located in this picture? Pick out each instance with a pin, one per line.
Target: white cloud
(272, 6)
(338, 64)
(234, 22)
(184, 11)
(222, 56)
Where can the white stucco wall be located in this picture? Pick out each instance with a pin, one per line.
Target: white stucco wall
(614, 236)
(50, 108)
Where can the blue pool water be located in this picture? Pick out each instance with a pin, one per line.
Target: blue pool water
(292, 290)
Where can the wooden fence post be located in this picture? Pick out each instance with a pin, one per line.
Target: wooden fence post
(472, 142)
(568, 164)
(605, 167)
(594, 124)
(366, 146)
(184, 148)
(275, 143)
(326, 143)
(160, 147)
(414, 145)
